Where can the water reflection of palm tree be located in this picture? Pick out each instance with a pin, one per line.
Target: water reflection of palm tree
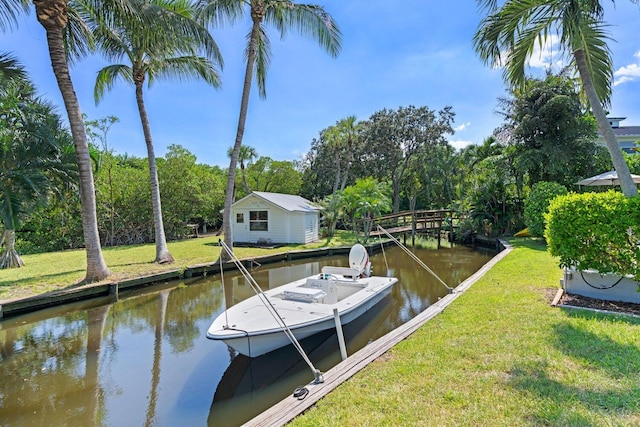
(96, 320)
(163, 298)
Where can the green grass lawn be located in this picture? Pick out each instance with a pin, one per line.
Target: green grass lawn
(57, 270)
(500, 355)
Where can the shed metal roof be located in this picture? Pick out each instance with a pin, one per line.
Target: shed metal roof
(288, 202)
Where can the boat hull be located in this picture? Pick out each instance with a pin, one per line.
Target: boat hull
(254, 336)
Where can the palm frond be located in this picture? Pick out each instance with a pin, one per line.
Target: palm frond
(184, 68)
(10, 67)
(107, 77)
(9, 12)
(263, 60)
(78, 38)
(593, 41)
(220, 13)
(308, 20)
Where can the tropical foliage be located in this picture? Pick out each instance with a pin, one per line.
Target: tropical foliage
(362, 202)
(36, 158)
(509, 33)
(193, 193)
(537, 205)
(552, 137)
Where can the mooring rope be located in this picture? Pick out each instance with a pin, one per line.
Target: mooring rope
(224, 291)
(384, 255)
(415, 258)
(272, 310)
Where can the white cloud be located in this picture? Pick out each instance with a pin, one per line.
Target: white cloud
(628, 73)
(459, 144)
(547, 55)
(462, 127)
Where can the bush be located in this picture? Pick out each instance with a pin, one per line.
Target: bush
(598, 231)
(537, 205)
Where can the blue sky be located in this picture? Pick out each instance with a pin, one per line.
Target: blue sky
(413, 52)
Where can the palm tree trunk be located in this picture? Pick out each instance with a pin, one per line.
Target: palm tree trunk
(626, 182)
(162, 251)
(52, 16)
(244, 179)
(231, 177)
(10, 257)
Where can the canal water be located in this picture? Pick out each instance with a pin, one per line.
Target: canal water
(144, 360)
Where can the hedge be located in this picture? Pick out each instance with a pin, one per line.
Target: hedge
(599, 231)
(537, 205)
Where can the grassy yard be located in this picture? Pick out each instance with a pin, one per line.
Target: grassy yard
(500, 355)
(57, 270)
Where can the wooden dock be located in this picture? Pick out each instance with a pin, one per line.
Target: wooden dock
(412, 223)
(290, 407)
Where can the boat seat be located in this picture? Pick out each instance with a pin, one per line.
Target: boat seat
(342, 271)
(304, 294)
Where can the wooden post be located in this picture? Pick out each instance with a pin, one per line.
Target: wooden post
(413, 228)
(113, 290)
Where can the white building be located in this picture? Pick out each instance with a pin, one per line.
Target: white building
(275, 218)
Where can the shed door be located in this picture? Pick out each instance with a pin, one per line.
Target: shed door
(242, 224)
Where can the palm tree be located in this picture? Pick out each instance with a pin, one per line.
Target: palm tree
(308, 20)
(67, 34)
(246, 155)
(33, 160)
(167, 48)
(510, 32)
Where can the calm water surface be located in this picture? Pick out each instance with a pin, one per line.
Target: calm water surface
(144, 360)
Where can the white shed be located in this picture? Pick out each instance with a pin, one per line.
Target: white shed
(274, 217)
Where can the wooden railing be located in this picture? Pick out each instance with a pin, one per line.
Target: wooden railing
(410, 222)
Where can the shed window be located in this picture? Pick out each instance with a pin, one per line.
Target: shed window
(239, 218)
(258, 220)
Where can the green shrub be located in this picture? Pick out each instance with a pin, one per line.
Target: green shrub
(537, 205)
(598, 231)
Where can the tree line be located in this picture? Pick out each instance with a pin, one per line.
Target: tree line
(397, 159)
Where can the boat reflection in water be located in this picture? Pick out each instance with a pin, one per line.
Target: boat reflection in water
(260, 382)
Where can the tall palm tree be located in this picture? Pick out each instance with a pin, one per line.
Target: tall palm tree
(68, 36)
(246, 155)
(166, 48)
(510, 32)
(284, 15)
(33, 160)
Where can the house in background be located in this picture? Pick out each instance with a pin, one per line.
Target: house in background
(262, 217)
(627, 135)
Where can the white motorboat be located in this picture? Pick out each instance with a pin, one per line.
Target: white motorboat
(255, 326)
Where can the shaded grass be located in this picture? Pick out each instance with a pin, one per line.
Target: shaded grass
(500, 356)
(58, 270)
